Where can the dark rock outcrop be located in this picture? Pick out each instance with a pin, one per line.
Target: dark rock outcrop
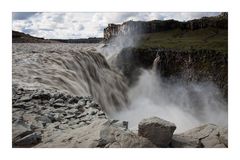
(175, 65)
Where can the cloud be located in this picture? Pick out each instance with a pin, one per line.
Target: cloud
(67, 25)
(22, 15)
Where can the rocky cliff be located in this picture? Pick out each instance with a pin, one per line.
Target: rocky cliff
(175, 65)
(140, 27)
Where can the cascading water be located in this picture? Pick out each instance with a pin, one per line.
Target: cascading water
(80, 70)
(73, 68)
(187, 105)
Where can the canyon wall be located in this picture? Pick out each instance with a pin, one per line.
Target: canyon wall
(136, 27)
(174, 65)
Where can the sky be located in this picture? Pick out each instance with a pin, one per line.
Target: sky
(67, 25)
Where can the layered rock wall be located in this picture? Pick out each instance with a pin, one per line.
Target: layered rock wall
(136, 27)
(189, 66)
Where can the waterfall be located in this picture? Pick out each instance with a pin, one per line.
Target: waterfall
(72, 68)
(80, 70)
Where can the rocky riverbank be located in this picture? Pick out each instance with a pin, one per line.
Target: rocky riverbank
(49, 118)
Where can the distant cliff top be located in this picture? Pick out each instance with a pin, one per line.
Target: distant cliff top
(142, 27)
(209, 33)
(19, 37)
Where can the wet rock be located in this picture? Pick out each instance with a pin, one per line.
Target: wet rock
(25, 99)
(63, 126)
(101, 113)
(58, 95)
(44, 119)
(93, 112)
(185, 142)
(57, 117)
(82, 115)
(80, 104)
(205, 136)
(59, 101)
(94, 105)
(69, 116)
(72, 111)
(58, 105)
(60, 110)
(112, 136)
(23, 135)
(157, 130)
(51, 101)
(73, 100)
(21, 105)
(65, 121)
(41, 95)
(28, 140)
(74, 122)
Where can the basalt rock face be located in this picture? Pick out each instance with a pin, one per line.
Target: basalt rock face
(187, 66)
(139, 27)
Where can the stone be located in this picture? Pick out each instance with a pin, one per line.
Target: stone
(21, 105)
(82, 115)
(41, 95)
(72, 111)
(69, 116)
(58, 105)
(101, 113)
(73, 100)
(59, 101)
(205, 136)
(44, 119)
(100, 133)
(23, 135)
(51, 101)
(157, 130)
(57, 117)
(25, 99)
(20, 129)
(184, 142)
(28, 140)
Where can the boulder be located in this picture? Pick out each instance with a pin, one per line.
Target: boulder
(100, 133)
(157, 130)
(23, 135)
(205, 136)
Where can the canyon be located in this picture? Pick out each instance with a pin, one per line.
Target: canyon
(124, 90)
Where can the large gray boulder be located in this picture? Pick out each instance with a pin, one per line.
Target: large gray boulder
(157, 130)
(205, 136)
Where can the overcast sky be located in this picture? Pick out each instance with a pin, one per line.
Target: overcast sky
(82, 25)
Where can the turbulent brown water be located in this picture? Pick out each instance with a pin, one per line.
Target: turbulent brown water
(80, 69)
(73, 68)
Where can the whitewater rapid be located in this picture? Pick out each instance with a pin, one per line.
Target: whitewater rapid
(77, 69)
(81, 69)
